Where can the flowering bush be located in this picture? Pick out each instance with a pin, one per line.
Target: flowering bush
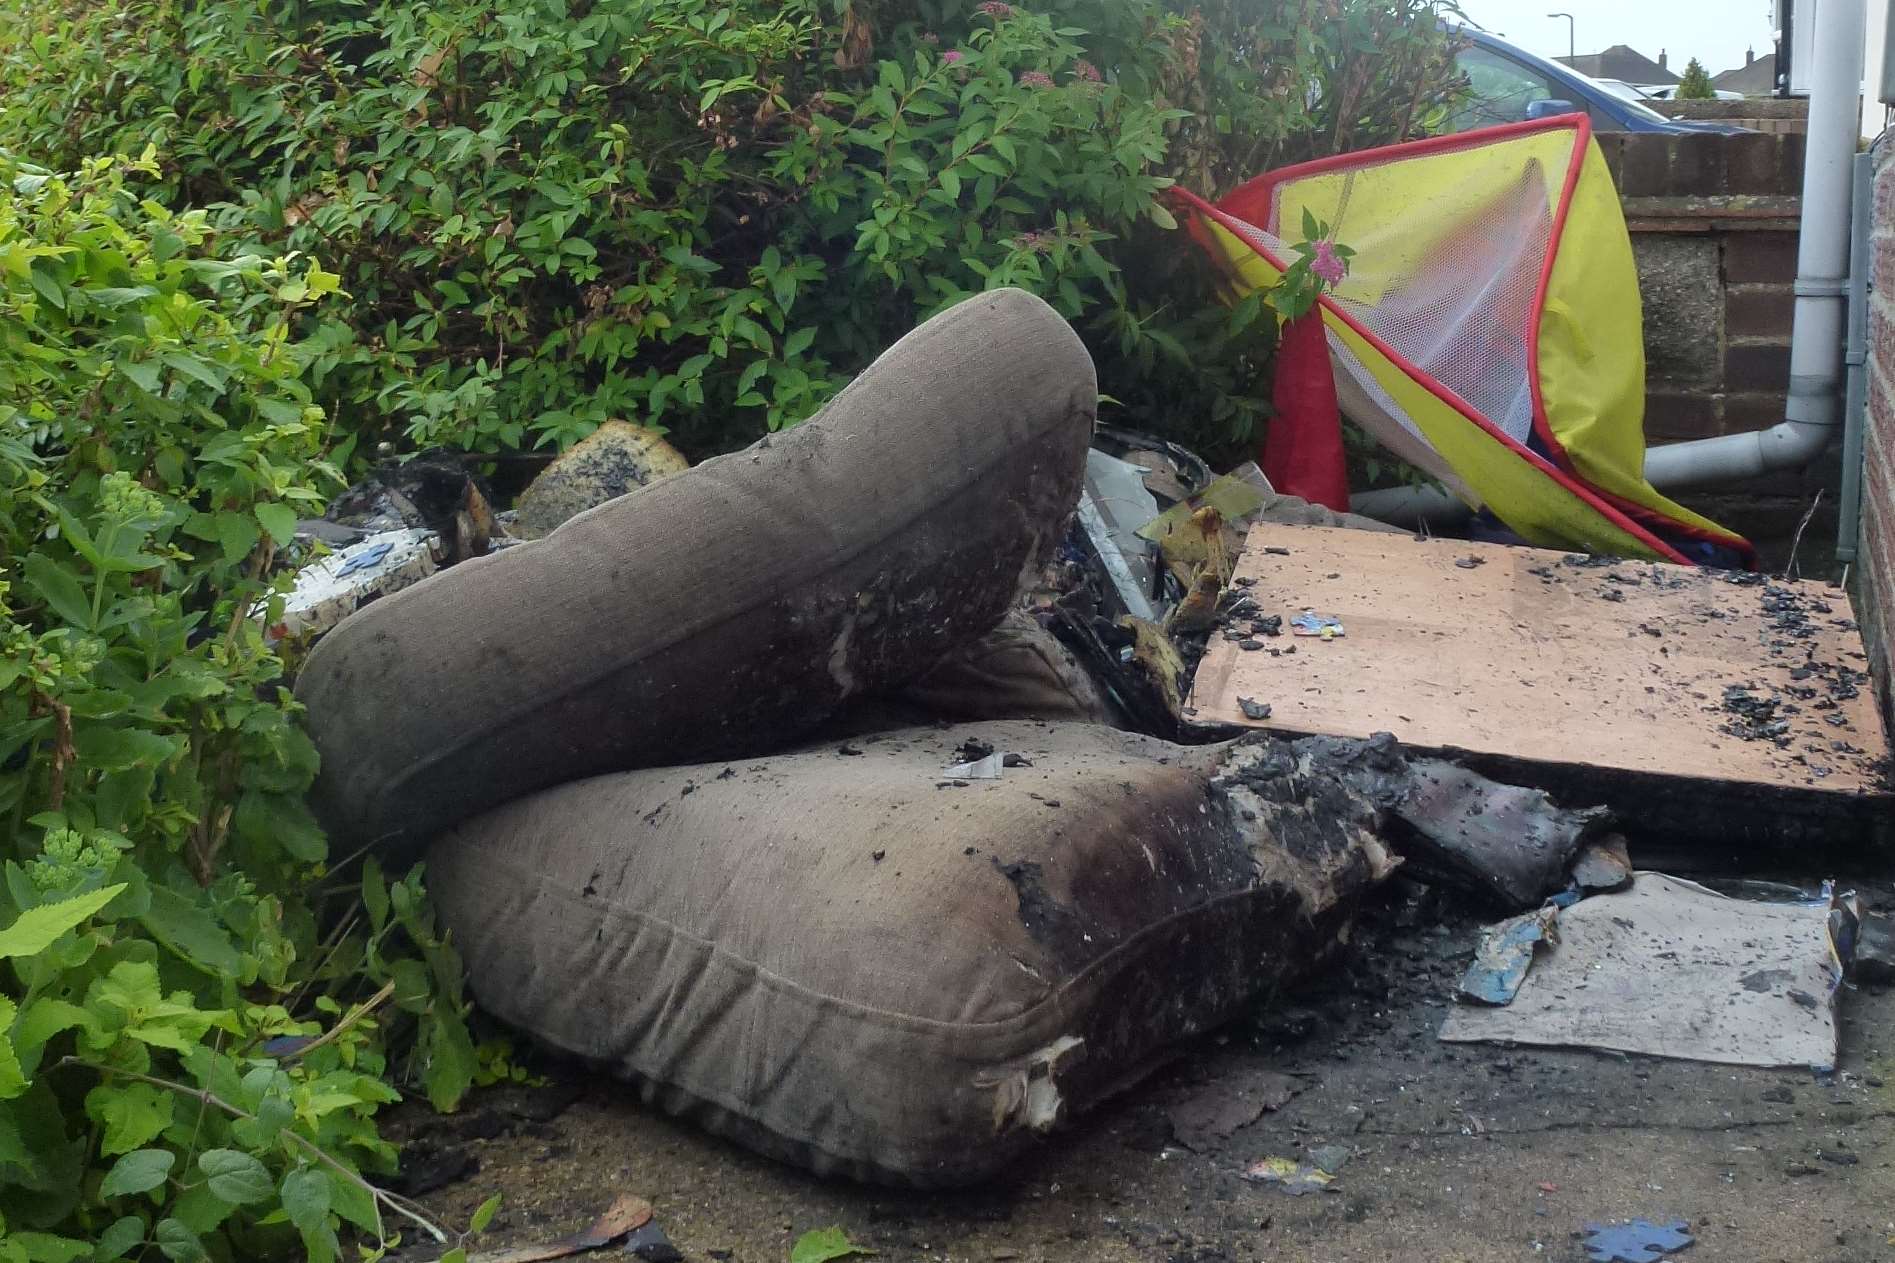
(709, 216)
(159, 943)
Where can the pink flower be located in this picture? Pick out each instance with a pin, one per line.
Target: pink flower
(1086, 70)
(951, 56)
(1328, 264)
(996, 9)
(1036, 79)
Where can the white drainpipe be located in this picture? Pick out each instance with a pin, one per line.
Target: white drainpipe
(1814, 410)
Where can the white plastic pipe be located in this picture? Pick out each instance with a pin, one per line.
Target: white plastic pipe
(1814, 411)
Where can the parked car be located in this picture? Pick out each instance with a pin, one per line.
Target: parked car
(1668, 91)
(1623, 90)
(1511, 85)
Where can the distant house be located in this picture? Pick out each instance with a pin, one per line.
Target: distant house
(1756, 77)
(1624, 63)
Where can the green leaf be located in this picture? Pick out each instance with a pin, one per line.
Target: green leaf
(451, 1061)
(235, 1176)
(36, 928)
(12, 1078)
(116, 1241)
(139, 1171)
(825, 1244)
(238, 534)
(305, 1195)
(187, 927)
(60, 588)
(134, 1114)
(121, 749)
(178, 1243)
(141, 373)
(798, 342)
(279, 520)
(197, 370)
(352, 1201)
(45, 1018)
(43, 1247)
(484, 1213)
(374, 894)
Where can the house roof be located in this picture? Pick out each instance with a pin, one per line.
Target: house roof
(1621, 62)
(1759, 78)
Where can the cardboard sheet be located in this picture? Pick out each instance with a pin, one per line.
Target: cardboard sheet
(1674, 970)
(1542, 657)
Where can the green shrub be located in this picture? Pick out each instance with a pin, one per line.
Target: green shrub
(552, 212)
(1696, 84)
(156, 445)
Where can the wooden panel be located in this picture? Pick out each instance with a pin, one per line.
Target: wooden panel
(1545, 658)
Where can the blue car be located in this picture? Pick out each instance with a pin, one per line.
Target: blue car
(1511, 85)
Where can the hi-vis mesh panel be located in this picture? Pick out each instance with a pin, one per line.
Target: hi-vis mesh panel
(1488, 330)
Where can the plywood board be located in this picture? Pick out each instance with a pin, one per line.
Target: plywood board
(1542, 657)
(1671, 969)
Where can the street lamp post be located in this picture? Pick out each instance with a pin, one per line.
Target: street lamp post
(1572, 47)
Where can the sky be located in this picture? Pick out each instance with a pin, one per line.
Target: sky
(1716, 32)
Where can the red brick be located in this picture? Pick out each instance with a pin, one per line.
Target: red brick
(1672, 416)
(1612, 149)
(1697, 165)
(1882, 344)
(1759, 312)
(1882, 271)
(1885, 192)
(1756, 368)
(1758, 411)
(1760, 257)
(1645, 170)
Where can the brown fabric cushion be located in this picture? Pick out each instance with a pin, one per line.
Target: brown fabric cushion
(1019, 670)
(724, 610)
(834, 960)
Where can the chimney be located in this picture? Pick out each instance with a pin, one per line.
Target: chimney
(1750, 55)
(1661, 60)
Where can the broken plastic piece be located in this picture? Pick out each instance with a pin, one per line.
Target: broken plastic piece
(331, 588)
(1111, 511)
(981, 769)
(1310, 623)
(1506, 953)
(1639, 1241)
(652, 1245)
(1293, 1177)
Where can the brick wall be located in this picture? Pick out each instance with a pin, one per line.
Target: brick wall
(1875, 557)
(1713, 222)
(1763, 114)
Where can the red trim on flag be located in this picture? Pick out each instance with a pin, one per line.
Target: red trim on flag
(1542, 425)
(1563, 477)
